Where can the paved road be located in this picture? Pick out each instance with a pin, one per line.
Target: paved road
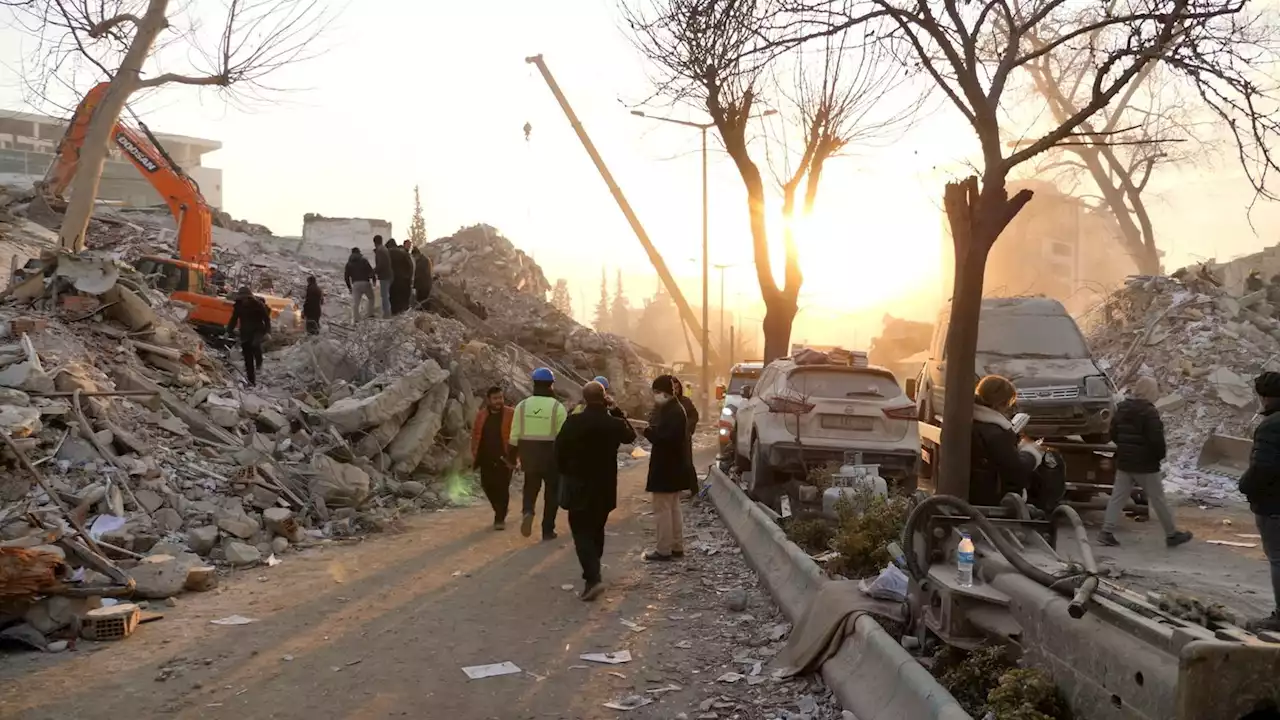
(383, 628)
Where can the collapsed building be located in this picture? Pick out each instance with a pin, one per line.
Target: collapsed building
(137, 464)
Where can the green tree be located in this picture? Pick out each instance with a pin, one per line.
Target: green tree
(603, 318)
(417, 226)
(560, 297)
(621, 312)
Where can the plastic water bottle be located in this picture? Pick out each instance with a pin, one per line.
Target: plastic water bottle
(964, 562)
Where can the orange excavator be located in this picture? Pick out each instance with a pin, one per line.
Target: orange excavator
(189, 277)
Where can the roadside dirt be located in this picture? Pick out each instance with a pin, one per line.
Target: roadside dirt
(383, 628)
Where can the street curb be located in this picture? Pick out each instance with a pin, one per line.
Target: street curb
(871, 676)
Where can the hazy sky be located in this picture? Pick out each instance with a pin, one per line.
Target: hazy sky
(436, 94)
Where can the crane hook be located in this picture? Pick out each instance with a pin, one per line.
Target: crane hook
(527, 130)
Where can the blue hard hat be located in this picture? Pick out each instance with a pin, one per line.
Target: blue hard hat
(602, 380)
(544, 375)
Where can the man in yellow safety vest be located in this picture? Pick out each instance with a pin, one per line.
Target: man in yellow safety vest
(537, 421)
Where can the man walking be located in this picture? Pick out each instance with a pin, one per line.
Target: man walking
(537, 421)
(360, 278)
(667, 469)
(587, 458)
(1261, 485)
(421, 278)
(401, 277)
(382, 273)
(1138, 433)
(489, 441)
(251, 314)
(312, 303)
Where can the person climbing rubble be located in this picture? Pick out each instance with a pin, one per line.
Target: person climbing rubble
(490, 436)
(537, 421)
(382, 274)
(1260, 484)
(311, 306)
(1138, 433)
(667, 469)
(587, 460)
(251, 314)
(401, 277)
(360, 278)
(421, 278)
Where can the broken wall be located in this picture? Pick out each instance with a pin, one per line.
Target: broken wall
(331, 239)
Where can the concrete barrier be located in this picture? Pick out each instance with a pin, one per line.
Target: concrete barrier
(872, 676)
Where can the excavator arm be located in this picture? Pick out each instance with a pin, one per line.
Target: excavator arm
(181, 193)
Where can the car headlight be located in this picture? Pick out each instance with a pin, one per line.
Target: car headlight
(726, 412)
(1096, 386)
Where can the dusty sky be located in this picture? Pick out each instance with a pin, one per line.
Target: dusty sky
(436, 94)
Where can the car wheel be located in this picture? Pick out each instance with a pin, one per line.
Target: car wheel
(761, 473)
(741, 463)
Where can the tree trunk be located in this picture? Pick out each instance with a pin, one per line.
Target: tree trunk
(93, 153)
(779, 315)
(976, 221)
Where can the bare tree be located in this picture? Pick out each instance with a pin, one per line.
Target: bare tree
(118, 41)
(973, 51)
(719, 56)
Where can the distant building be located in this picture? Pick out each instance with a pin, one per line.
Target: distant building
(28, 143)
(326, 238)
(1057, 246)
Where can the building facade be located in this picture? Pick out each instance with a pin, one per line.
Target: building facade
(28, 143)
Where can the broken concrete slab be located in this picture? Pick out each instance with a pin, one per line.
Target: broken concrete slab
(1171, 403)
(201, 578)
(26, 376)
(158, 577)
(150, 500)
(281, 522)
(381, 436)
(168, 519)
(19, 422)
(1232, 388)
(16, 398)
(238, 524)
(417, 436)
(270, 420)
(223, 416)
(241, 554)
(353, 414)
(202, 539)
(338, 484)
(128, 309)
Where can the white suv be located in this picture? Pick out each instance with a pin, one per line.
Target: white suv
(802, 415)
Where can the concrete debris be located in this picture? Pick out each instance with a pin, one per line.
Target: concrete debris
(241, 555)
(159, 577)
(337, 484)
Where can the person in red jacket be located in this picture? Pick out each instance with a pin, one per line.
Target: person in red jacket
(490, 434)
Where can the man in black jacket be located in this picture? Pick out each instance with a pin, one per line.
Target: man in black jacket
(401, 277)
(421, 278)
(1261, 485)
(251, 314)
(667, 465)
(1138, 433)
(587, 458)
(691, 426)
(312, 303)
(382, 270)
(360, 279)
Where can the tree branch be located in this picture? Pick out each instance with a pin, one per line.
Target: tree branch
(105, 26)
(219, 80)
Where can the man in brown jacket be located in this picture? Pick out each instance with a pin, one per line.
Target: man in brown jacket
(490, 434)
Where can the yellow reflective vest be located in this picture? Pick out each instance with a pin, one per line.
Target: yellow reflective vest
(537, 419)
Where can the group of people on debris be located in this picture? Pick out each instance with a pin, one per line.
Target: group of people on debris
(570, 456)
(403, 278)
(1005, 463)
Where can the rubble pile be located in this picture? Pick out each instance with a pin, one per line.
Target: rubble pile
(1204, 346)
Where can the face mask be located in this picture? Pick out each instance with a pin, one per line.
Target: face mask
(661, 398)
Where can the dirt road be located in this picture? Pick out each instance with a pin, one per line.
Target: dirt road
(383, 628)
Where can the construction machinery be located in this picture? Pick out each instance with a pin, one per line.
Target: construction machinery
(189, 277)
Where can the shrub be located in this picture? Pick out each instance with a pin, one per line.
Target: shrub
(813, 536)
(868, 524)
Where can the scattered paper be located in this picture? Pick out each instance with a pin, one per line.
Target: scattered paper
(629, 703)
(1232, 543)
(479, 672)
(613, 658)
(730, 677)
(566, 588)
(1249, 536)
(634, 627)
(104, 524)
(786, 506)
(233, 620)
(273, 561)
(684, 644)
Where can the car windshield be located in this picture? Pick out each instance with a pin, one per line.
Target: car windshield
(820, 383)
(1045, 336)
(740, 380)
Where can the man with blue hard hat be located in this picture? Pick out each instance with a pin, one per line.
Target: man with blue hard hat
(537, 421)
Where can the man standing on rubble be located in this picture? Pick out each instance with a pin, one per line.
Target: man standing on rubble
(360, 278)
(382, 274)
(254, 319)
(1261, 485)
(1138, 433)
(311, 304)
(421, 278)
(401, 277)
(537, 421)
(587, 458)
(490, 435)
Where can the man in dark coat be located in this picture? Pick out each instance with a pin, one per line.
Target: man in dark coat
(360, 278)
(1138, 433)
(382, 273)
(421, 278)
(490, 435)
(668, 434)
(401, 278)
(587, 458)
(691, 426)
(251, 314)
(1261, 485)
(998, 465)
(311, 305)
